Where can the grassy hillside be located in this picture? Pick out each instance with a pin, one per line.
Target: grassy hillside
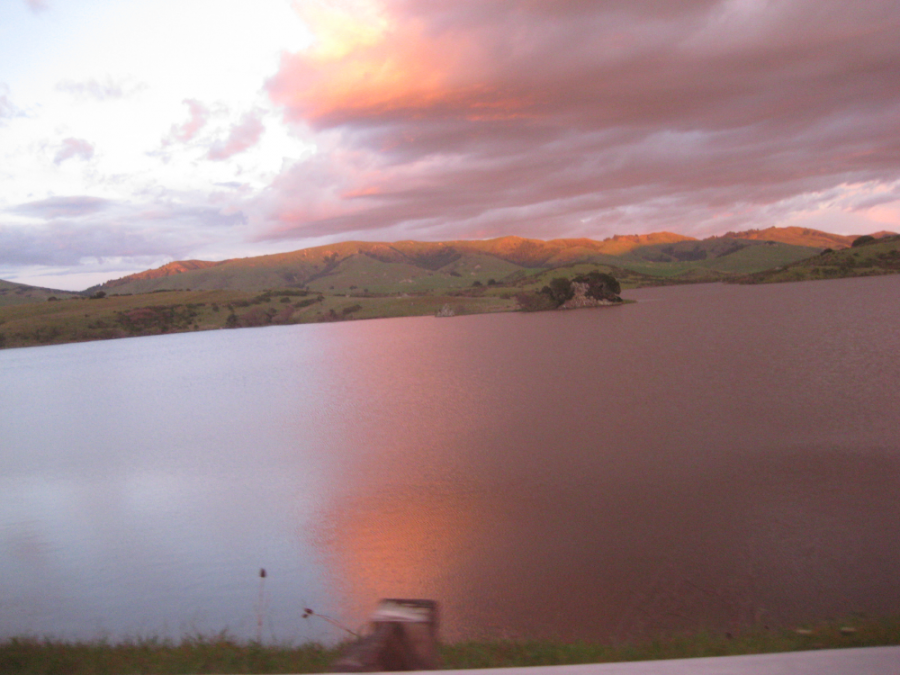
(797, 236)
(711, 259)
(427, 267)
(881, 256)
(82, 319)
(20, 294)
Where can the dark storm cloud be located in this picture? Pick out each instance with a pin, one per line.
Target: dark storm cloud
(583, 116)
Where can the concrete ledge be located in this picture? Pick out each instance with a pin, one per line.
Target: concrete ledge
(860, 661)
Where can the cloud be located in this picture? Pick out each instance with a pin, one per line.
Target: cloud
(68, 243)
(183, 133)
(243, 136)
(37, 5)
(73, 147)
(108, 89)
(61, 207)
(7, 109)
(583, 117)
(75, 228)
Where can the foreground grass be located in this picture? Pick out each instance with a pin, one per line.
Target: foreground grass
(221, 654)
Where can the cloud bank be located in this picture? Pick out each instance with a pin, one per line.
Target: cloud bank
(578, 117)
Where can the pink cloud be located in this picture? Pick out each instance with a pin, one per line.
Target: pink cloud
(581, 117)
(37, 5)
(243, 136)
(199, 115)
(74, 147)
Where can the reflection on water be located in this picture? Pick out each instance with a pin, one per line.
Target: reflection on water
(716, 457)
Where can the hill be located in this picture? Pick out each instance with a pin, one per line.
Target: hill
(797, 236)
(20, 294)
(422, 267)
(874, 257)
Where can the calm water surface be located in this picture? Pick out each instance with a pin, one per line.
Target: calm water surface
(712, 456)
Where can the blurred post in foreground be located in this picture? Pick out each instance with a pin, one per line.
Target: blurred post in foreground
(403, 637)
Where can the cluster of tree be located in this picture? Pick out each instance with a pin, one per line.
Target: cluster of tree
(599, 285)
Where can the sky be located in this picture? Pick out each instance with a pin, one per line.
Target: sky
(135, 133)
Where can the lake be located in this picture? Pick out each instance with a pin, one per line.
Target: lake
(712, 456)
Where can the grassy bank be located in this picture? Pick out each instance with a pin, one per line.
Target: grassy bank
(222, 654)
(80, 319)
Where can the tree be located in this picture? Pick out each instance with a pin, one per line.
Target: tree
(559, 290)
(601, 286)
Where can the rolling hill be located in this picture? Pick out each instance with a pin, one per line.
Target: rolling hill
(872, 258)
(21, 294)
(797, 236)
(421, 267)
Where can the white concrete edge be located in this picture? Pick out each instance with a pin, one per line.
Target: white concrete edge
(853, 661)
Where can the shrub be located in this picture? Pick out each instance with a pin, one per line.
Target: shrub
(535, 302)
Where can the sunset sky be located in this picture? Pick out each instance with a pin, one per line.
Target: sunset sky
(137, 132)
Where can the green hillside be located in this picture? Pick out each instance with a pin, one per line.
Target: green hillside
(427, 267)
(868, 258)
(21, 294)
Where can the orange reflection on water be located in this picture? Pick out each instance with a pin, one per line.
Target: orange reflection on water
(403, 544)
